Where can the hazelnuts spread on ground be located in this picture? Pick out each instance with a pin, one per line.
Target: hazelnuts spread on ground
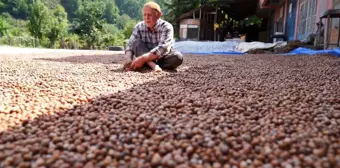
(215, 111)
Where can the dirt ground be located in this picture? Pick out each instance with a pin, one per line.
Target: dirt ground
(214, 111)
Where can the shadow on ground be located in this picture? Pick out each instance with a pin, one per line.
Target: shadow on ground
(88, 59)
(117, 59)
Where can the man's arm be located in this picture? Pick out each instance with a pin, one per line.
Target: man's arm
(135, 35)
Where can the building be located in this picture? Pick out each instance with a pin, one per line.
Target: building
(296, 19)
(292, 19)
(200, 24)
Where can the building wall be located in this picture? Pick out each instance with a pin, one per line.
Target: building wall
(280, 16)
(285, 14)
(322, 6)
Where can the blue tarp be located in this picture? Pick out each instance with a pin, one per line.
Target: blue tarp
(207, 47)
(298, 51)
(216, 53)
(306, 51)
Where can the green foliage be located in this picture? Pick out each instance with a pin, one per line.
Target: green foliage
(58, 25)
(22, 41)
(111, 12)
(253, 20)
(18, 27)
(71, 7)
(89, 22)
(75, 24)
(38, 19)
(52, 4)
(122, 20)
(48, 23)
(127, 31)
(44, 42)
(163, 5)
(71, 41)
(2, 5)
(4, 26)
(17, 8)
(112, 36)
(17, 33)
(133, 8)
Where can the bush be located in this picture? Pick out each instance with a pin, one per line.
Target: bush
(23, 41)
(45, 42)
(128, 29)
(71, 41)
(4, 26)
(16, 27)
(112, 36)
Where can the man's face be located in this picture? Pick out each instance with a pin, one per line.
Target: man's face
(150, 16)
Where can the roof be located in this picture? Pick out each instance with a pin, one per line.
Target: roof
(237, 9)
(332, 13)
(203, 7)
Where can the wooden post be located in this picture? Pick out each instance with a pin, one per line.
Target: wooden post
(215, 21)
(199, 27)
(327, 32)
(200, 13)
(338, 34)
(317, 40)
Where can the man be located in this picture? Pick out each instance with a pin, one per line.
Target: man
(151, 42)
(313, 36)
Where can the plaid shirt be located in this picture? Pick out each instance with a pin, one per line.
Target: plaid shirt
(158, 42)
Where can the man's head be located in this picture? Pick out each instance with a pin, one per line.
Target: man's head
(319, 23)
(151, 13)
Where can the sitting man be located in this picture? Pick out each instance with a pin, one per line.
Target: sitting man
(311, 38)
(151, 42)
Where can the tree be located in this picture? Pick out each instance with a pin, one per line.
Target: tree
(133, 8)
(58, 25)
(162, 4)
(2, 4)
(71, 7)
(253, 21)
(111, 12)
(52, 4)
(112, 36)
(4, 26)
(38, 19)
(17, 8)
(89, 22)
(128, 28)
(122, 20)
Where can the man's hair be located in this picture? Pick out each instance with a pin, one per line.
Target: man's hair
(154, 6)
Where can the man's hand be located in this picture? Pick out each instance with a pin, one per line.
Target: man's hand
(138, 62)
(127, 65)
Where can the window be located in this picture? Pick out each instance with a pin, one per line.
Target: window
(334, 30)
(335, 3)
(335, 21)
(307, 17)
(192, 32)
